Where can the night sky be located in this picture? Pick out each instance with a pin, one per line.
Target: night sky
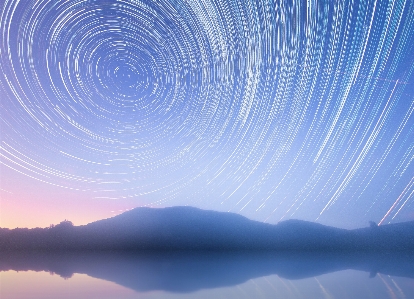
(270, 109)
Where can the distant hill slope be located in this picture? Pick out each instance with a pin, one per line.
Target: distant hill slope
(187, 228)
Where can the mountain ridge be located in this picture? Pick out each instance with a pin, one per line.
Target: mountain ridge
(188, 228)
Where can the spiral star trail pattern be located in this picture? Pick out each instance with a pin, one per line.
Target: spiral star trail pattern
(270, 109)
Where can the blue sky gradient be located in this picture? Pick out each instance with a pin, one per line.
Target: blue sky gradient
(270, 109)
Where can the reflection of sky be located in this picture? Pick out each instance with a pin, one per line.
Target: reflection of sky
(275, 111)
(340, 285)
(42, 285)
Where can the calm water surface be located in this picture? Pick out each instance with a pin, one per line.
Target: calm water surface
(206, 275)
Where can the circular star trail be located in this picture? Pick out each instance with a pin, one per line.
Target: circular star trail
(271, 109)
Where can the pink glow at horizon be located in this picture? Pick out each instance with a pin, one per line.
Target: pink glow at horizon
(36, 285)
(39, 205)
(274, 110)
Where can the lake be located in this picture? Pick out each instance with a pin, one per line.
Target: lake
(206, 275)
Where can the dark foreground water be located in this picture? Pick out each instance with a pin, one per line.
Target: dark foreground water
(206, 275)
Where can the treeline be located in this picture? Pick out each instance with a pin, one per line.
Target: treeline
(186, 228)
(53, 236)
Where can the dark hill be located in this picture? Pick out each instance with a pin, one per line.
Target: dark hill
(187, 228)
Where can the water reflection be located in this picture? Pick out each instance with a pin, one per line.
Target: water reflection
(183, 272)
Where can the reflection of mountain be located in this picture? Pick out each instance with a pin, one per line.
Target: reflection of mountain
(191, 228)
(187, 272)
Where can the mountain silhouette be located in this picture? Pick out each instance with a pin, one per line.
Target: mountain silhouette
(188, 228)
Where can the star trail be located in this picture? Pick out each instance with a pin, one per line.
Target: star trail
(270, 109)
